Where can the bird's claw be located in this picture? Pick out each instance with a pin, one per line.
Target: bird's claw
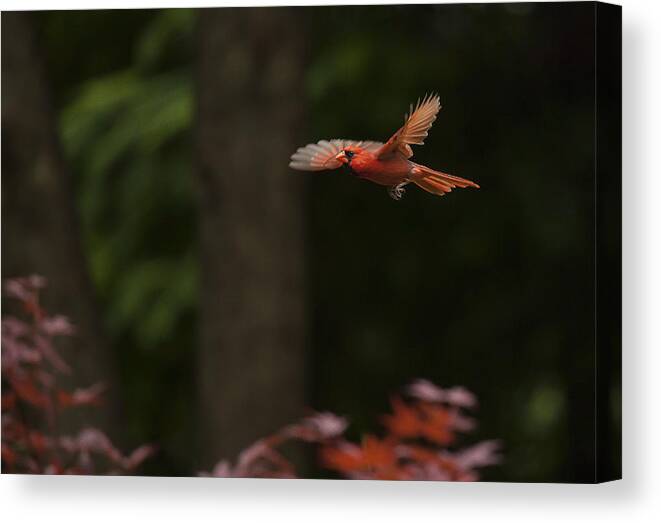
(397, 191)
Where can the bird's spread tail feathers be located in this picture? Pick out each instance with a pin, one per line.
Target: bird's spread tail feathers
(437, 182)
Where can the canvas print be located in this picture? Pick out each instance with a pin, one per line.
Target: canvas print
(339, 242)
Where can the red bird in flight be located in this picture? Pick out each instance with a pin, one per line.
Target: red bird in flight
(386, 164)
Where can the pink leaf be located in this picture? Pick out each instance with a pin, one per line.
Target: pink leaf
(480, 455)
(222, 469)
(88, 396)
(138, 456)
(46, 348)
(318, 427)
(56, 326)
(426, 391)
(460, 397)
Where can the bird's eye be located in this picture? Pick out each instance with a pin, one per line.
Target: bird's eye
(349, 154)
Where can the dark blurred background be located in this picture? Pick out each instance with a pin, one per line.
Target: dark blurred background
(221, 294)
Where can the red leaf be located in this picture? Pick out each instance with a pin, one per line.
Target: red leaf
(88, 396)
(404, 421)
(8, 401)
(438, 424)
(38, 442)
(27, 391)
(8, 455)
(345, 457)
(378, 454)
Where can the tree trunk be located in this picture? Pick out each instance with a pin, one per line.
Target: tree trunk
(251, 363)
(40, 233)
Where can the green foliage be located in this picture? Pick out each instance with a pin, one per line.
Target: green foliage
(126, 132)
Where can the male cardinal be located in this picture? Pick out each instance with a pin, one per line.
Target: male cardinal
(386, 164)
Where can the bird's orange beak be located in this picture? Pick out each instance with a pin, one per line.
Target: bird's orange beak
(342, 158)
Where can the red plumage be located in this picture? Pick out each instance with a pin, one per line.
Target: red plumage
(387, 163)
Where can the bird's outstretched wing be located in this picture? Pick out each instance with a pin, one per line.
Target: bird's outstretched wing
(320, 156)
(416, 124)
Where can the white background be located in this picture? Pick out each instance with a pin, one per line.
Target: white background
(636, 498)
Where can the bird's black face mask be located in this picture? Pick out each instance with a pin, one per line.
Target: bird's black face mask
(347, 166)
